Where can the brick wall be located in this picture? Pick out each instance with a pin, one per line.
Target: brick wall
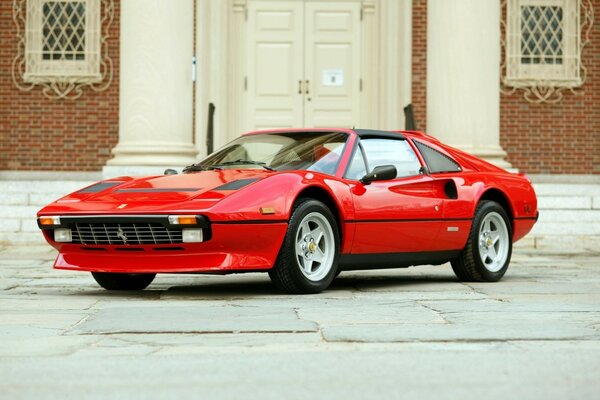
(561, 138)
(37, 133)
(419, 63)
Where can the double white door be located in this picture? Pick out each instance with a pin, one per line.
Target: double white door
(302, 64)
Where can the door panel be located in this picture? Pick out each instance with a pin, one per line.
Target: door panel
(402, 215)
(275, 64)
(458, 212)
(303, 64)
(332, 51)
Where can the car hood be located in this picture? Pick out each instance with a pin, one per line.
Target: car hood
(157, 193)
(178, 187)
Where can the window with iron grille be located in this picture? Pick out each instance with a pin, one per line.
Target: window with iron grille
(62, 41)
(543, 43)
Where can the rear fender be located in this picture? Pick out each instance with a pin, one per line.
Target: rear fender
(517, 196)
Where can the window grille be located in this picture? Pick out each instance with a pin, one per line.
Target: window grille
(62, 45)
(542, 35)
(63, 30)
(543, 43)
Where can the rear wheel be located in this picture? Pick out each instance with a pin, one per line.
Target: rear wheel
(113, 281)
(487, 254)
(307, 261)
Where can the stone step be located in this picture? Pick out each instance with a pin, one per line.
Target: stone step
(21, 238)
(569, 216)
(36, 192)
(568, 244)
(10, 225)
(14, 198)
(556, 189)
(553, 195)
(568, 203)
(28, 199)
(565, 228)
(569, 213)
(19, 212)
(42, 186)
(21, 200)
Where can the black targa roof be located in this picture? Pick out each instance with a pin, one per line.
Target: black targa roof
(368, 133)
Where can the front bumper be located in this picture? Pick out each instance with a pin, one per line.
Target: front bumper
(233, 247)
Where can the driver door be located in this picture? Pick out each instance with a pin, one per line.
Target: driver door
(398, 215)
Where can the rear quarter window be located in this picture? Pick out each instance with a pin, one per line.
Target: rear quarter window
(436, 161)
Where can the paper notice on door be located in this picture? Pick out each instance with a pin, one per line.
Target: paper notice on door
(333, 77)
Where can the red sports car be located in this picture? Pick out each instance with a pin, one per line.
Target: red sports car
(302, 205)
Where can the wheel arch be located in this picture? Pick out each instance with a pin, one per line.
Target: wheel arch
(322, 195)
(501, 198)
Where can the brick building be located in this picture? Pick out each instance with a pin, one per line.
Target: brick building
(105, 85)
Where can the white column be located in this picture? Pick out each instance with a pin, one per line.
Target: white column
(463, 73)
(220, 48)
(155, 103)
(395, 62)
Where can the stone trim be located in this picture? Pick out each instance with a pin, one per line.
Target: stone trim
(62, 78)
(545, 83)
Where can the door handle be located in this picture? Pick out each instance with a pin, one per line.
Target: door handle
(307, 85)
(300, 86)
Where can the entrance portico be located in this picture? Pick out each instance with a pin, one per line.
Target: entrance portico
(333, 63)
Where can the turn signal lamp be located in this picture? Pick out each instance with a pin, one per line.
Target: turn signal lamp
(182, 220)
(49, 221)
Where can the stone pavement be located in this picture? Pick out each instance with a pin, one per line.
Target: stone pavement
(412, 333)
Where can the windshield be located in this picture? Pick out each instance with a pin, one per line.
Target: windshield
(312, 151)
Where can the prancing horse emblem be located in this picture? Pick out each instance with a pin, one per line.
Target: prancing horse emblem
(122, 235)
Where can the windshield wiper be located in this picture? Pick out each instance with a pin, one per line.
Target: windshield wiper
(244, 162)
(200, 167)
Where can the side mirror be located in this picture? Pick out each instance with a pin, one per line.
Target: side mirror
(170, 171)
(380, 173)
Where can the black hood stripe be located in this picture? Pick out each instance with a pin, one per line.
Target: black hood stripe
(98, 187)
(235, 185)
(155, 190)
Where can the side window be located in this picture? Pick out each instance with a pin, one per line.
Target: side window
(392, 152)
(326, 157)
(436, 161)
(357, 166)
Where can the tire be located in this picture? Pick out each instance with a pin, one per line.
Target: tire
(487, 254)
(112, 281)
(309, 255)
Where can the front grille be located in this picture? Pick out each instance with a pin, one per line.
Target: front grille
(129, 233)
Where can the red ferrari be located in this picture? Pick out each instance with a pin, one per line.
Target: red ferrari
(302, 205)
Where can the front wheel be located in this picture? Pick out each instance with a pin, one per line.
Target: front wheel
(113, 281)
(487, 254)
(307, 261)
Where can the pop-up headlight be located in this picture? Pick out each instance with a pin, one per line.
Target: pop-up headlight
(191, 235)
(63, 235)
